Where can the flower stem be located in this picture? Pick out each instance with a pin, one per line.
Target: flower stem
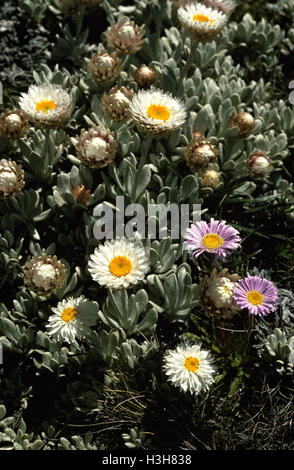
(249, 331)
(46, 151)
(185, 70)
(145, 150)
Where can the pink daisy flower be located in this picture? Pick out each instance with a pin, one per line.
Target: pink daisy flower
(213, 237)
(256, 294)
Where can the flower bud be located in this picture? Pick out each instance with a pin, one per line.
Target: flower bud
(125, 37)
(104, 67)
(258, 165)
(116, 104)
(13, 124)
(216, 294)
(96, 147)
(200, 153)
(44, 275)
(144, 76)
(210, 178)
(11, 178)
(245, 123)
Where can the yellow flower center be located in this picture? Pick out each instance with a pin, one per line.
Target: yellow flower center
(254, 297)
(202, 18)
(68, 314)
(45, 105)
(192, 364)
(120, 266)
(156, 111)
(212, 241)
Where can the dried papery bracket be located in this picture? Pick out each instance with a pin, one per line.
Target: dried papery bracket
(216, 294)
(14, 124)
(44, 275)
(11, 178)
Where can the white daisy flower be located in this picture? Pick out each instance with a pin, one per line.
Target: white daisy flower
(119, 264)
(72, 319)
(189, 368)
(201, 22)
(46, 105)
(157, 113)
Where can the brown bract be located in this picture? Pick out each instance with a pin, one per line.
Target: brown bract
(81, 194)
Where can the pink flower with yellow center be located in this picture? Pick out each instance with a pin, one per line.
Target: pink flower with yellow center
(213, 237)
(256, 294)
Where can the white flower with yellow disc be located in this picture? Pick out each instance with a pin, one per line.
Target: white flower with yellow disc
(119, 264)
(189, 368)
(72, 319)
(201, 22)
(157, 113)
(46, 105)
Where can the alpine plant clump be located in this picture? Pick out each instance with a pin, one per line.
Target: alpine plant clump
(146, 226)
